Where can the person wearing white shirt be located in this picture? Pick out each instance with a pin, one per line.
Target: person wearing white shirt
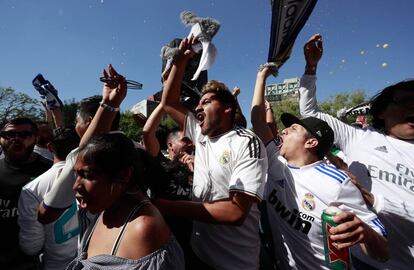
(57, 241)
(229, 174)
(381, 157)
(300, 186)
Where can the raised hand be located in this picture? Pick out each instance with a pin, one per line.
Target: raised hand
(186, 47)
(313, 50)
(265, 72)
(113, 92)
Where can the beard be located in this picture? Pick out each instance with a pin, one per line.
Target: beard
(210, 126)
(18, 153)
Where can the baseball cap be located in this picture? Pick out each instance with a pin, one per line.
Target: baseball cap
(317, 127)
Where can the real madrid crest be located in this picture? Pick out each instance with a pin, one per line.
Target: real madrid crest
(308, 202)
(225, 157)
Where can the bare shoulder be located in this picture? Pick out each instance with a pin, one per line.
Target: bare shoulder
(149, 228)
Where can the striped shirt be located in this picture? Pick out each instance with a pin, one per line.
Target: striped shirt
(295, 198)
(232, 162)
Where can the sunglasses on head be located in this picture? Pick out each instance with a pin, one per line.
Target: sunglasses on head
(13, 134)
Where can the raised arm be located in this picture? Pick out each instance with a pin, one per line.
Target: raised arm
(61, 195)
(172, 87)
(258, 112)
(270, 119)
(152, 146)
(344, 134)
(312, 51)
(112, 96)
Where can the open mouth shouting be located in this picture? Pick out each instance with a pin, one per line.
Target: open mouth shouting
(200, 117)
(82, 202)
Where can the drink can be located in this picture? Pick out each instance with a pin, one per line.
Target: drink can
(336, 259)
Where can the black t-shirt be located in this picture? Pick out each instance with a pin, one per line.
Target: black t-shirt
(12, 180)
(177, 182)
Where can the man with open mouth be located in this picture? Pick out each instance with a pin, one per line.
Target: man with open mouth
(380, 157)
(229, 173)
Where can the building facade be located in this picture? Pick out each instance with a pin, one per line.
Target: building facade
(287, 90)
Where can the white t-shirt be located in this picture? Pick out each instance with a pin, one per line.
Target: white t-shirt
(59, 239)
(62, 195)
(44, 152)
(232, 162)
(295, 199)
(383, 165)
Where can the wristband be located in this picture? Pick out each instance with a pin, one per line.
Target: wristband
(107, 107)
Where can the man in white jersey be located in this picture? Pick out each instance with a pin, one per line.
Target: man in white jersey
(300, 186)
(58, 240)
(380, 157)
(229, 173)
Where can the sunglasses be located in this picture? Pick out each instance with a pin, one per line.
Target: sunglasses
(13, 134)
(130, 83)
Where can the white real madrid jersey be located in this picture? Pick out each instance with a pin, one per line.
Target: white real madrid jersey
(384, 166)
(232, 162)
(295, 199)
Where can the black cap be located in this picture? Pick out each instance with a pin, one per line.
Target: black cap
(317, 127)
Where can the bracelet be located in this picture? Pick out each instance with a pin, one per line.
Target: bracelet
(268, 109)
(107, 107)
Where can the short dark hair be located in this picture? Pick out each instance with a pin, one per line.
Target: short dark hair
(89, 106)
(174, 134)
(222, 94)
(65, 139)
(320, 153)
(111, 153)
(381, 101)
(21, 121)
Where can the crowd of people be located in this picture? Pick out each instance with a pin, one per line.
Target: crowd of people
(223, 196)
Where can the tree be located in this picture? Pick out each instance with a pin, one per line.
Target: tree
(128, 125)
(285, 106)
(69, 110)
(16, 104)
(330, 106)
(343, 100)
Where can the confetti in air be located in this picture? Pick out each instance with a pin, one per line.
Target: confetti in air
(343, 60)
(362, 52)
(386, 45)
(384, 65)
(377, 45)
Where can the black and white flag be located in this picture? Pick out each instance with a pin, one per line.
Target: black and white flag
(288, 18)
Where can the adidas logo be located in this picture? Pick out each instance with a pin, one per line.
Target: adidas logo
(381, 149)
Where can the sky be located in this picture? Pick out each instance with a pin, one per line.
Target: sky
(367, 44)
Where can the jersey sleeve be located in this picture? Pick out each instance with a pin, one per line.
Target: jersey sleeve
(344, 133)
(350, 199)
(250, 169)
(32, 233)
(61, 194)
(384, 206)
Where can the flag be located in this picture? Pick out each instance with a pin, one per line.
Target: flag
(288, 18)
